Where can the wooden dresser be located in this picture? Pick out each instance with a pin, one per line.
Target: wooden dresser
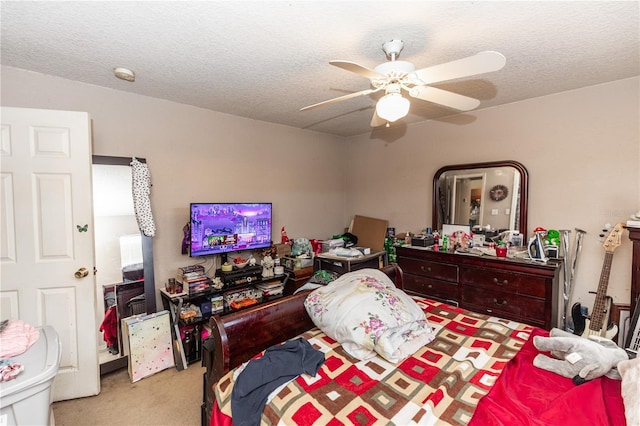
(520, 290)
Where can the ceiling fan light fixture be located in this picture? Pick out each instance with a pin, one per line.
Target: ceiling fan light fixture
(394, 76)
(392, 107)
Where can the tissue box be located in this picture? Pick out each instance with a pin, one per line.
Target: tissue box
(422, 240)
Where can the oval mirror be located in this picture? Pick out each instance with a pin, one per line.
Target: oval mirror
(491, 195)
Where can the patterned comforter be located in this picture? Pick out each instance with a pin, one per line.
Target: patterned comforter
(442, 382)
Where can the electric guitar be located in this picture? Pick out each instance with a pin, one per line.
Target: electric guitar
(597, 324)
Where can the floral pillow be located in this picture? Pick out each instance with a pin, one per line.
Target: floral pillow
(367, 314)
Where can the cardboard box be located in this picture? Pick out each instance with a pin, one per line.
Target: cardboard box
(283, 250)
(370, 231)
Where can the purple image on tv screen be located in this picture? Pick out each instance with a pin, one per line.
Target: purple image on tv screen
(218, 228)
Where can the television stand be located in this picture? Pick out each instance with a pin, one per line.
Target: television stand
(239, 292)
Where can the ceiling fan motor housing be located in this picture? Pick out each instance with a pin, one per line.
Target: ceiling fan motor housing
(392, 48)
(403, 67)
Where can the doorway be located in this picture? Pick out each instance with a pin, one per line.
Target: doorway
(47, 250)
(466, 200)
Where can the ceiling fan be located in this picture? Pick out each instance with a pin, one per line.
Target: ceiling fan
(394, 76)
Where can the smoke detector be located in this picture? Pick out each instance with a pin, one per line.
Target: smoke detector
(124, 74)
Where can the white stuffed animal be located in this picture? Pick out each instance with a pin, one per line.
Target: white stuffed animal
(578, 358)
(630, 388)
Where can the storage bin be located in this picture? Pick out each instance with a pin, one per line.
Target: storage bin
(342, 265)
(26, 400)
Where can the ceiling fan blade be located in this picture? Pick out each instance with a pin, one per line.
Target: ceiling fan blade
(376, 120)
(476, 64)
(444, 97)
(341, 98)
(358, 69)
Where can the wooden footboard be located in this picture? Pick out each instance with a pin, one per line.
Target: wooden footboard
(239, 336)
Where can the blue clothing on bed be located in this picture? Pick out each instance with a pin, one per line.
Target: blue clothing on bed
(278, 365)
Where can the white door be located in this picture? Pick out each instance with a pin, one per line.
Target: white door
(46, 230)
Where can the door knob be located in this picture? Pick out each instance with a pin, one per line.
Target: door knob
(81, 273)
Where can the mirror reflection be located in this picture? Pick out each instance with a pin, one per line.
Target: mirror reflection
(124, 258)
(118, 250)
(488, 196)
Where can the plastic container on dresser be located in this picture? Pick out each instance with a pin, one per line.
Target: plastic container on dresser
(519, 290)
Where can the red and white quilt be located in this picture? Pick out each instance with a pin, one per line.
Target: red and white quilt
(442, 382)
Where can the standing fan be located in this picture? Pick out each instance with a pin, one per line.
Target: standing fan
(394, 76)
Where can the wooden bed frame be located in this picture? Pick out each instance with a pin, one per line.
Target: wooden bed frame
(239, 336)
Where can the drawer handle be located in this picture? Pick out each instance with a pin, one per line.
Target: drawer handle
(427, 269)
(502, 303)
(430, 286)
(505, 282)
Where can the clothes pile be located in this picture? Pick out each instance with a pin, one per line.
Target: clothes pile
(15, 338)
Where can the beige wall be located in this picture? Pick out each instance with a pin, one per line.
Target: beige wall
(199, 155)
(581, 149)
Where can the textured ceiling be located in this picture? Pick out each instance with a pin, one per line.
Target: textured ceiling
(265, 60)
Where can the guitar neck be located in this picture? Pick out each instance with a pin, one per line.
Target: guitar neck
(600, 305)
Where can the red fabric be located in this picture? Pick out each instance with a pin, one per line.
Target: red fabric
(527, 395)
(218, 418)
(109, 326)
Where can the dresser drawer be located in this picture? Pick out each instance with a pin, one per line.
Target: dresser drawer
(425, 268)
(497, 301)
(506, 281)
(434, 289)
(429, 287)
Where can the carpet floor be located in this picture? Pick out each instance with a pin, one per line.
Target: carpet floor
(170, 397)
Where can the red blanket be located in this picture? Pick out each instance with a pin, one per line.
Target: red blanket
(527, 395)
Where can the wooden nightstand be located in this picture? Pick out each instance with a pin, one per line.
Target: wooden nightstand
(297, 278)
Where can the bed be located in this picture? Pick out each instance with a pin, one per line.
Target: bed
(477, 370)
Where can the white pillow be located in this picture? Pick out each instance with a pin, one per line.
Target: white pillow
(367, 314)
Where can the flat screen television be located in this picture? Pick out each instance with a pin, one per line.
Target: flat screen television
(220, 228)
